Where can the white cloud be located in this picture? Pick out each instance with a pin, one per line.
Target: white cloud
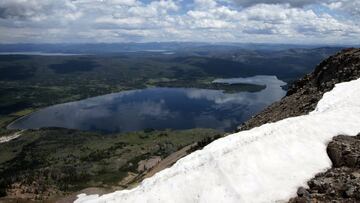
(349, 6)
(122, 2)
(295, 3)
(177, 20)
(37, 10)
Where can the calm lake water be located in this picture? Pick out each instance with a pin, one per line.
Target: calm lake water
(159, 108)
(37, 53)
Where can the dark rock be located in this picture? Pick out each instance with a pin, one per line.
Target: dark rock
(300, 200)
(345, 151)
(335, 155)
(350, 192)
(302, 192)
(351, 160)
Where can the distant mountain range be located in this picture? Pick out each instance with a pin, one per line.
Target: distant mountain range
(151, 46)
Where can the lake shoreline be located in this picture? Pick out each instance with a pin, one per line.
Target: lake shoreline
(157, 108)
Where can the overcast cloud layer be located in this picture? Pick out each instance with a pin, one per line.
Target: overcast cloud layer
(275, 21)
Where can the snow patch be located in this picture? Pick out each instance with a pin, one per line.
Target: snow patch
(9, 138)
(265, 164)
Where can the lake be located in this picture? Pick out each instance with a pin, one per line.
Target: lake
(159, 108)
(38, 53)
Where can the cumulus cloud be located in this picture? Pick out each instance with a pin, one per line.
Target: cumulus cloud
(37, 10)
(295, 3)
(349, 6)
(178, 20)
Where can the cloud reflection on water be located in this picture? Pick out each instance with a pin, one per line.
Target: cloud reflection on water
(159, 108)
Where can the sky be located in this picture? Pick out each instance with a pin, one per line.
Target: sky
(241, 21)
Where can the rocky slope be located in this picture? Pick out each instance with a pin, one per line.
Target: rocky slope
(305, 93)
(341, 183)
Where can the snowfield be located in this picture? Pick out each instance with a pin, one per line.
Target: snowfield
(265, 164)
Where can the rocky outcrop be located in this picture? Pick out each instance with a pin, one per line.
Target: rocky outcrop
(341, 183)
(303, 96)
(345, 151)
